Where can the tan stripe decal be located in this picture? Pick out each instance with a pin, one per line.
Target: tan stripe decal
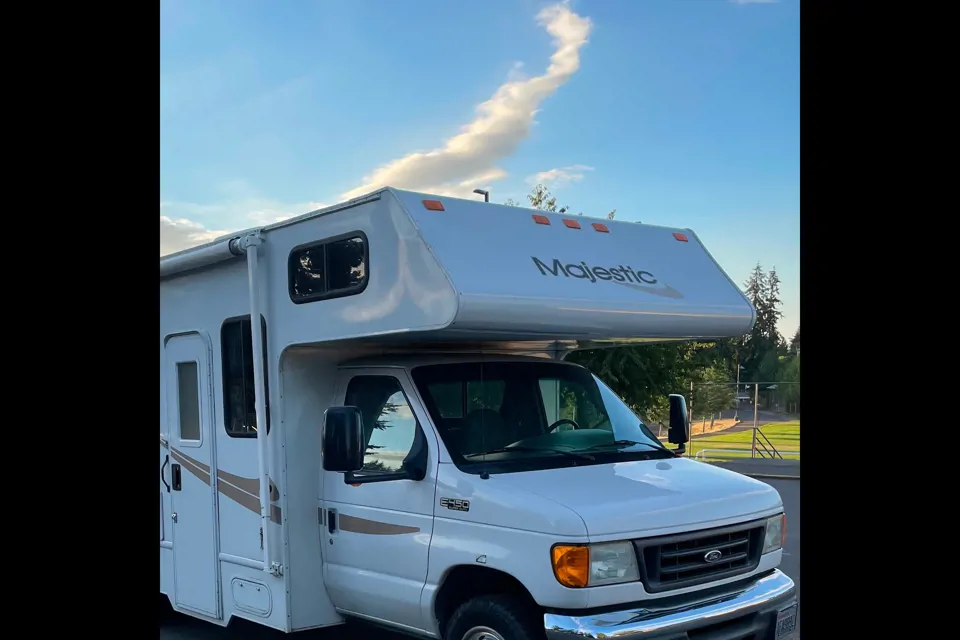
(246, 493)
(242, 498)
(199, 470)
(243, 491)
(250, 485)
(372, 527)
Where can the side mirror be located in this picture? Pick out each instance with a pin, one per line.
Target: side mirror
(679, 432)
(343, 442)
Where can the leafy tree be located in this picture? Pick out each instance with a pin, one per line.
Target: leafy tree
(794, 348)
(716, 395)
(644, 376)
(790, 373)
(542, 199)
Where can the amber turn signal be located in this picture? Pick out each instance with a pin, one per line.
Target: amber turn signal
(571, 564)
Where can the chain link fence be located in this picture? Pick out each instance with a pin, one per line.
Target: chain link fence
(744, 420)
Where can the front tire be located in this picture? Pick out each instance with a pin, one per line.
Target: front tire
(494, 618)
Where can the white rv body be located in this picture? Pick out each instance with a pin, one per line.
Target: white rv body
(471, 282)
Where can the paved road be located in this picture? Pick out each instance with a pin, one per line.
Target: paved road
(790, 492)
(183, 628)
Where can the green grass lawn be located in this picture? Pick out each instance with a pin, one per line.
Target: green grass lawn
(785, 436)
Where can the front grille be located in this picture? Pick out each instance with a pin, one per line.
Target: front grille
(676, 562)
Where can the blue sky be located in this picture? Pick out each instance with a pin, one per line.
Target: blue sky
(675, 112)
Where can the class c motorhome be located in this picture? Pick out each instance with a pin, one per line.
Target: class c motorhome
(366, 413)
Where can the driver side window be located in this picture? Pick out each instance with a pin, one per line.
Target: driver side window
(566, 400)
(389, 426)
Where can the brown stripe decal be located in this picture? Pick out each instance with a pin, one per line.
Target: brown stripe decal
(372, 527)
(243, 491)
(242, 498)
(246, 493)
(250, 485)
(198, 469)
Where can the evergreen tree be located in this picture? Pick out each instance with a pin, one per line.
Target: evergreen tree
(763, 345)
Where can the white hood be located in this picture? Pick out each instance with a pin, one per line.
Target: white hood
(633, 497)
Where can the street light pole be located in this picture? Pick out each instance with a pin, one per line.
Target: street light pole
(482, 192)
(736, 400)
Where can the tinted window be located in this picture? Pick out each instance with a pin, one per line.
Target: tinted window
(389, 426)
(328, 269)
(239, 397)
(484, 394)
(451, 399)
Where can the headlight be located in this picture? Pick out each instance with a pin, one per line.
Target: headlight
(595, 564)
(775, 534)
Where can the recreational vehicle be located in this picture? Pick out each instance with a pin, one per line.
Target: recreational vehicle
(366, 413)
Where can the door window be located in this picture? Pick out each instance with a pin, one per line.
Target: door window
(389, 426)
(188, 400)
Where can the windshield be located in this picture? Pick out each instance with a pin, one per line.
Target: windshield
(500, 417)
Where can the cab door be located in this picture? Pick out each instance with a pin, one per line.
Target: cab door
(377, 534)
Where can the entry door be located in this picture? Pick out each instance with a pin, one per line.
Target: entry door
(377, 535)
(192, 492)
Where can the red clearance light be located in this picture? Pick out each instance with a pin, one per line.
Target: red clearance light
(571, 224)
(541, 219)
(681, 237)
(599, 226)
(433, 205)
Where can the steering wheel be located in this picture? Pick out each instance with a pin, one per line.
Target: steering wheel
(560, 422)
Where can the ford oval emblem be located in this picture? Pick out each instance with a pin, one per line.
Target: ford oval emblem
(712, 556)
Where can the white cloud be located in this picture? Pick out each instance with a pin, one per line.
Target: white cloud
(469, 159)
(179, 229)
(402, 412)
(179, 233)
(560, 176)
(465, 162)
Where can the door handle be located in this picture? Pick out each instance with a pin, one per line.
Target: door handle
(166, 461)
(175, 476)
(332, 520)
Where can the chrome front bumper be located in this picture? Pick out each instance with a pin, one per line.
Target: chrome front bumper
(768, 595)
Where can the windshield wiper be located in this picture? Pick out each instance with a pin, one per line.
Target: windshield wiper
(569, 454)
(628, 443)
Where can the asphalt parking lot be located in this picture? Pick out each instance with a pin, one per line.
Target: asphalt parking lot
(183, 628)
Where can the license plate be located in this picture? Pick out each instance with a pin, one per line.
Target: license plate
(786, 622)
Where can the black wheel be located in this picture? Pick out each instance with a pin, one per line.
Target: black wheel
(494, 618)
